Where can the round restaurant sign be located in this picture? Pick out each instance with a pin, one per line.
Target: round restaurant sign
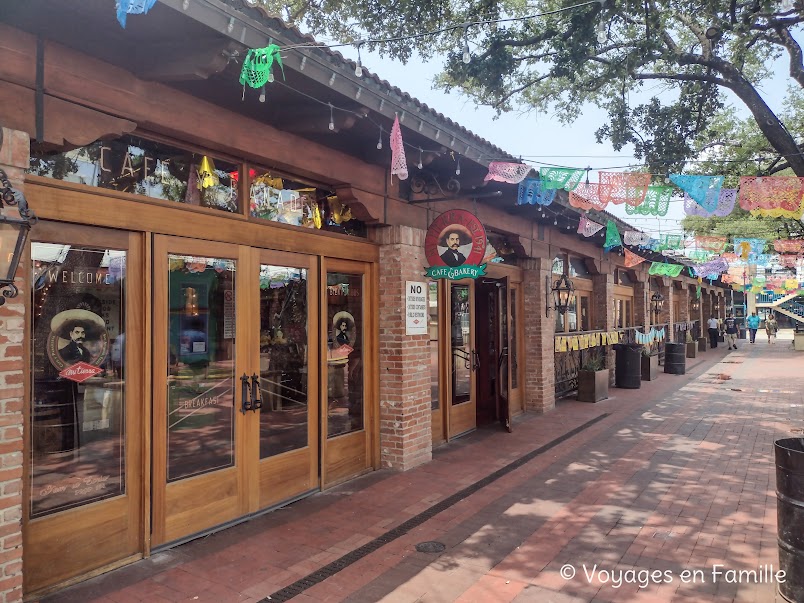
(455, 238)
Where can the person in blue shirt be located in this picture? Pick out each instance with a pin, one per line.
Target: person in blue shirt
(753, 325)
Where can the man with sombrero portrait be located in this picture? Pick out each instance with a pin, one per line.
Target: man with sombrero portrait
(77, 326)
(453, 238)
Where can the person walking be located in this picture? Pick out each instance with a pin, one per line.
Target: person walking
(753, 325)
(771, 326)
(731, 331)
(713, 325)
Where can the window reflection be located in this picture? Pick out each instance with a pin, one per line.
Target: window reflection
(514, 349)
(78, 393)
(283, 359)
(461, 344)
(344, 353)
(201, 380)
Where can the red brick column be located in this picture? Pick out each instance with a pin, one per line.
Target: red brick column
(642, 308)
(14, 154)
(539, 336)
(405, 412)
(684, 304)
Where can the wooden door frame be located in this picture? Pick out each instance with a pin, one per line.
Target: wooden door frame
(470, 283)
(371, 383)
(282, 465)
(228, 504)
(137, 413)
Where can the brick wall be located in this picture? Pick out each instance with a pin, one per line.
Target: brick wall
(13, 160)
(642, 316)
(603, 316)
(684, 304)
(405, 411)
(539, 336)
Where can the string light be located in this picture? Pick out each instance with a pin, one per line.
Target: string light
(467, 56)
(331, 118)
(379, 140)
(420, 165)
(359, 65)
(262, 94)
(458, 166)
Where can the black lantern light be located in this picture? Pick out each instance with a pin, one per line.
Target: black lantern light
(657, 303)
(696, 305)
(13, 233)
(563, 295)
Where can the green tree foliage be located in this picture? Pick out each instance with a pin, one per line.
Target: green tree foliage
(614, 54)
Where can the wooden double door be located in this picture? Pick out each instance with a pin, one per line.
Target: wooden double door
(210, 383)
(259, 364)
(480, 343)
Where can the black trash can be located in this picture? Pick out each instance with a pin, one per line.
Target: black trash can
(628, 367)
(790, 515)
(675, 358)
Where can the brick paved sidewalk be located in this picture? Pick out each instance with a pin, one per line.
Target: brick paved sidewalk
(678, 475)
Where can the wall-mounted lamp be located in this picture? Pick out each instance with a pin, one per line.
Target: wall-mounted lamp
(563, 294)
(13, 233)
(657, 303)
(695, 305)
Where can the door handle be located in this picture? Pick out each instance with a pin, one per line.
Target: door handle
(475, 360)
(245, 393)
(256, 403)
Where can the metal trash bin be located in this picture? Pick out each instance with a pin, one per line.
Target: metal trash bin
(789, 454)
(628, 365)
(675, 358)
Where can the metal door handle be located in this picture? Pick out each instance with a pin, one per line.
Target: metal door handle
(245, 393)
(475, 360)
(256, 403)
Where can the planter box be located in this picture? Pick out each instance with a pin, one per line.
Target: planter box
(692, 349)
(593, 386)
(650, 367)
(703, 344)
(798, 342)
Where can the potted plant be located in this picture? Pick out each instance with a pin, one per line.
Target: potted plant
(692, 346)
(593, 377)
(650, 364)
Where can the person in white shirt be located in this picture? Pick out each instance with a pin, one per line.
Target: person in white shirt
(713, 325)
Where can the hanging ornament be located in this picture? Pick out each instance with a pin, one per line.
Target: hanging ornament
(399, 164)
(664, 269)
(588, 228)
(789, 245)
(705, 190)
(634, 237)
(318, 222)
(612, 237)
(713, 244)
(132, 7)
(715, 267)
(632, 259)
(772, 196)
(656, 203)
(206, 174)
(257, 65)
(725, 204)
(531, 192)
(555, 178)
(512, 173)
(587, 195)
(624, 187)
(749, 247)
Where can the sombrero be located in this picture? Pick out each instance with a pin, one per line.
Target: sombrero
(463, 232)
(66, 321)
(341, 316)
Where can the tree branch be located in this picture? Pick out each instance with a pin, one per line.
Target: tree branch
(796, 56)
(525, 86)
(682, 77)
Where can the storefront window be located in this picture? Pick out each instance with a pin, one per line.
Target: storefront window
(344, 353)
(585, 312)
(286, 201)
(201, 371)
(135, 165)
(283, 359)
(78, 391)
(433, 331)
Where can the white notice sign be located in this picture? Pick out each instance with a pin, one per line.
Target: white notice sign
(415, 308)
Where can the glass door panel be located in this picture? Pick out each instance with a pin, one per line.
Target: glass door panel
(201, 384)
(345, 328)
(285, 359)
(85, 413)
(201, 371)
(463, 359)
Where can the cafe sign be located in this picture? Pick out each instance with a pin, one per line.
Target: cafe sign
(455, 246)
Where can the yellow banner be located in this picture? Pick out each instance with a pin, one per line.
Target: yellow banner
(574, 342)
(561, 344)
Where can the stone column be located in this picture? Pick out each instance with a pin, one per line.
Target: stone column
(14, 157)
(539, 336)
(405, 397)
